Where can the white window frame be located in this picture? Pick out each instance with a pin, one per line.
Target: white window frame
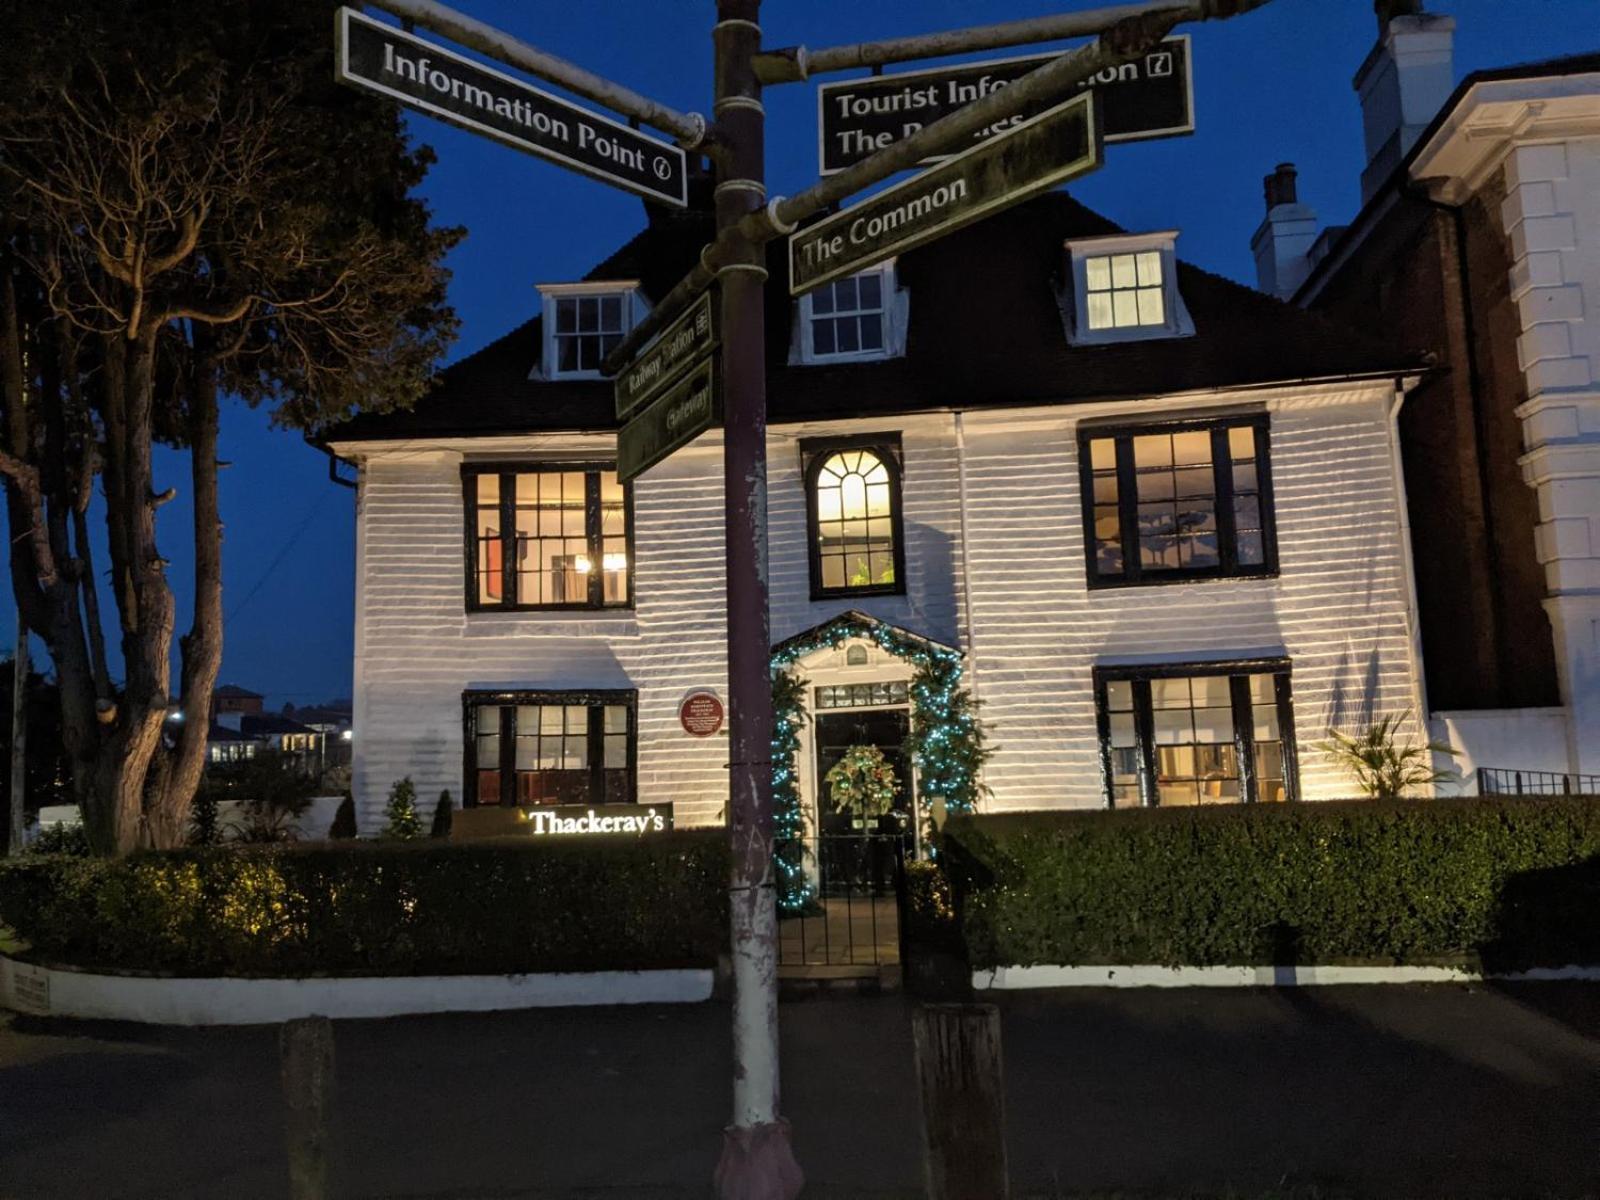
(894, 324)
(1178, 323)
(634, 308)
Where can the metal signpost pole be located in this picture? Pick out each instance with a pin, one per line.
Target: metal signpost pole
(19, 735)
(757, 1160)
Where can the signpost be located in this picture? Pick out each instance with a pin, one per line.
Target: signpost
(683, 344)
(1149, 97)
(379, 58)
(1051, 148)
(1028, 141)
(670, 422)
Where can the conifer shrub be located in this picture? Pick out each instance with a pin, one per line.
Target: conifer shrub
(403, 824)
(344, 820)
(443, 816)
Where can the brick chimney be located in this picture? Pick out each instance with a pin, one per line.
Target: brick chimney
(1283, 241)
(1402, 84)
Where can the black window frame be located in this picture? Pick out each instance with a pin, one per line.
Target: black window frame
(1228, 567)
(816, 451)
(596, 699)
(1236, 670)
(596, 602)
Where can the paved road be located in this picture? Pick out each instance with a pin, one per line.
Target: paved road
(1417, 1091)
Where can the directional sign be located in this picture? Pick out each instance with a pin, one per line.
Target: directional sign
(1056, 146)
(662, 363)
(1151, 97)
(670, 422)
(380, 58)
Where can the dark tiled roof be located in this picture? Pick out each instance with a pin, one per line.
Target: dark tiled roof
(985, 330)
(225, 733)
(231, 691)
(263, 724)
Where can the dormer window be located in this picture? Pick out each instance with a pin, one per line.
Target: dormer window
(1124, 289)
(583, 322)
(855, 319)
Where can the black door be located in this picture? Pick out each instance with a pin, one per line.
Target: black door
(855, 853)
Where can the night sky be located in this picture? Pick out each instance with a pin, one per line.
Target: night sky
(1270, 86)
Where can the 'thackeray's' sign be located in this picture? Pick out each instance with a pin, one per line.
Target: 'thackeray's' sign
(571, 820)
(681, 345)
(1151, 97)
(669, 422)
(381, 58)
(1051, 148)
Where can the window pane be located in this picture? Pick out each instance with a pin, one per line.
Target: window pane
(588, 314)
(1212, 691)
(1103, 454)
(488, 490)
(1252, 550)
(872, 291)
(1191, 448)
(1101, 315)
(822, 339)
(1123, 274)
(1122, 730)
(1119, 695)
(872, 333)
(1149, 267)
(1152, 307)
(1169, 693)
(1097, 274)
(611, 313)
(1125, 309)
(1242, 442)
(1152, 450)
(844, 294)
(848, 337)
(566, 315)
(822, 300)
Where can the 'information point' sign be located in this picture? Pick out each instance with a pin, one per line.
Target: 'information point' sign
(1151, 97)
(381, 58)
(1033, 157)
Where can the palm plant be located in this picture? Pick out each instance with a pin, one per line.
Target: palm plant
(1384, 767)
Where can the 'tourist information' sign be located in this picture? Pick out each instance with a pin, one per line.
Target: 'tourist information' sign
(380, 58)
(681, 345)
(670, 422)
(1151, 97)
(1053, 147)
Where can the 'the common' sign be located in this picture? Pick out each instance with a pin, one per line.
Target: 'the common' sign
(1151, 97)
(1055, 146)
(379, 58)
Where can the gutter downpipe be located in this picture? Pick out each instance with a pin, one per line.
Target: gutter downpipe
(971, 668)
(1419, 683)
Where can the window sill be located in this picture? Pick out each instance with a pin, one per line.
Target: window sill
(1113, 585)
(820, 594)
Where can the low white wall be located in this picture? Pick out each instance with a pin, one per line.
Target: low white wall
(58, 992)
(1518, 739)
(1136, 976)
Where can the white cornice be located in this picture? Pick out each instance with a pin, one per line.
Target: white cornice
(1496, 115)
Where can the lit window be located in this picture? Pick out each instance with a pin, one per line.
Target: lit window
(854, 508)
(846, 317)
(547, 537)
(587, 329)
(1190, 500)
(533, 748)
(1187, 736)
(1124, 290)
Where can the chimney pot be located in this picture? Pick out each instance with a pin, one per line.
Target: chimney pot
(1388, 10)
(1280, 186)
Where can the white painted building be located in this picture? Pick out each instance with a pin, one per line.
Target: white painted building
(1158, 514)
(1479, 243)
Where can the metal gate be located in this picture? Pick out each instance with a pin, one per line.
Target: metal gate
(853, 918)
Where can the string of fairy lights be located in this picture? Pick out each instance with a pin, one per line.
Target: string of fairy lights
(947, 742)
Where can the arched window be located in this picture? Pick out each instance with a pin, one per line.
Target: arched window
(854, 506)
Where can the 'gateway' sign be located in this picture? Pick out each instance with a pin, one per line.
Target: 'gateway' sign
(380, 58)
(569, 820)
(1055, 146)
(669, 423)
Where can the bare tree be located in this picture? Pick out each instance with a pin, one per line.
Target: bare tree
(191, 209)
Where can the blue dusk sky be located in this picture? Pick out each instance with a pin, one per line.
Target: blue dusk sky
(1270, 86)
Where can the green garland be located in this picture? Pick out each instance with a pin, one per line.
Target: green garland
(947, 742)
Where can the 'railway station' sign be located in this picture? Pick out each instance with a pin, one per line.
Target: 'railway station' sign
(664, 361)
(670, 422)
(381, 58)
(1051, 148)
(1151, 97)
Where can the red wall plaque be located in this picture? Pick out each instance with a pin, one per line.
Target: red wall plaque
(701, 714)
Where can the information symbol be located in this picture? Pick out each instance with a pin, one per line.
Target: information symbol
(663, 167)
(1160, 64)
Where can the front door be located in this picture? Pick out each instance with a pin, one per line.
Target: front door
(847, 857)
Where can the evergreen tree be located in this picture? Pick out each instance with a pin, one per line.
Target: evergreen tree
(403, 822)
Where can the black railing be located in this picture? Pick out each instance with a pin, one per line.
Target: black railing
(852, 914)
(1501, 781)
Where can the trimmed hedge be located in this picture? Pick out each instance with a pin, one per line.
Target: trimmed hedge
(387, 909)
(1506, 882)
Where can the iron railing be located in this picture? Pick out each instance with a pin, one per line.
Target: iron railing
(1502, 781)
(852, 918)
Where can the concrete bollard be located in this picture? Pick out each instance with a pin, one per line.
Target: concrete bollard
(957, 1050)
(305, 1047)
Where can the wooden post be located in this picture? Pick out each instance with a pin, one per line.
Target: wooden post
(957, 1049)
(306, 1049)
